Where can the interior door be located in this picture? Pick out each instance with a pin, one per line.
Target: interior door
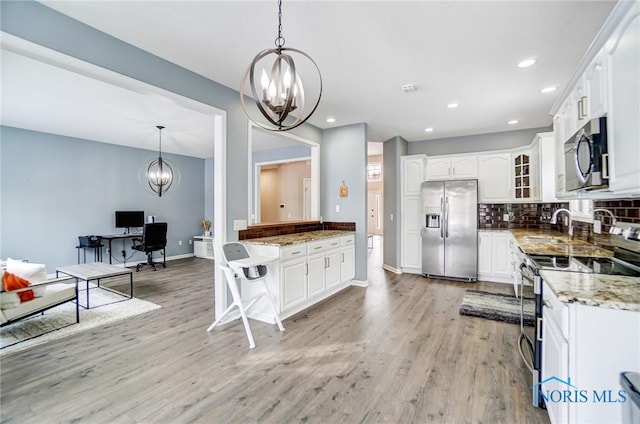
(374, 213)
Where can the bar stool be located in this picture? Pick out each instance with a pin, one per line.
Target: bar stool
(90, 242)
(241, 265)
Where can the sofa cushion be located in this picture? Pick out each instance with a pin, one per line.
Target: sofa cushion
(34, 273)
(13, 282)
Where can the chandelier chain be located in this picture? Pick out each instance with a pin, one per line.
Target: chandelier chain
(280, 39)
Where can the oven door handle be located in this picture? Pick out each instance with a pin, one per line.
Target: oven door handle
(526, 273)
(539, 329)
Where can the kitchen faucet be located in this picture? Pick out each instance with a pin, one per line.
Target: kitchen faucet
(613, 217)
(554, 219)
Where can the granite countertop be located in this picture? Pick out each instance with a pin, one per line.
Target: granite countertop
(538, 242)
(607, 291)
(297, 238)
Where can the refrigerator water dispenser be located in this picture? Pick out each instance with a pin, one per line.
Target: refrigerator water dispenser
(433, 221)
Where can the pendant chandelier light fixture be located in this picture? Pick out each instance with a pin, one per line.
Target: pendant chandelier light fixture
(160, 174)
(281, 91)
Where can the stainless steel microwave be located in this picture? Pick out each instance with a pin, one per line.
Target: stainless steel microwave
(586, 157)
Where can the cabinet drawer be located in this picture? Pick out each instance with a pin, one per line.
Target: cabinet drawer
(322, 245)
(292, 252)
(557, 310)
(347, 240)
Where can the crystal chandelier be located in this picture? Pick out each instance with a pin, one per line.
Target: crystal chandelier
(160, 173)
(281, 91)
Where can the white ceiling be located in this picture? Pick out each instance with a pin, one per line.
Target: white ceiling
(462, 51)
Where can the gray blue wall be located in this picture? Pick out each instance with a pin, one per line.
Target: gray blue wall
(344, 158)
(57, 188)
(475, 143)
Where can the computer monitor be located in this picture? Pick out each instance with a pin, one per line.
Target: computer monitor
(129, 219)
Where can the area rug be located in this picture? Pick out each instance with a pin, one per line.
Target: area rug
(497, 307)
(60, 321)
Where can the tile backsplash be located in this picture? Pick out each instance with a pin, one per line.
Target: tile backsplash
(538, 215)
(521, 215)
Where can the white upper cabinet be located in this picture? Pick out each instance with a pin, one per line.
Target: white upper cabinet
(494, 179)
(596, 85)
(412, 174)
(454, 167)
(438, 168)
(624, 96)
(546, 169)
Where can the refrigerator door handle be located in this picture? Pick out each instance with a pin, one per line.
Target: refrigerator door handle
(442, 217)
(446, 217)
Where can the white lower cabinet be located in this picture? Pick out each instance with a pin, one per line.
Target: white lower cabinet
(293, 293)
(494, 256)
(315, 274)
(347, 259)
(305, 274)
(584, 350)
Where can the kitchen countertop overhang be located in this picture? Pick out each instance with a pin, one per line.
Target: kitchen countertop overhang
(297, 238)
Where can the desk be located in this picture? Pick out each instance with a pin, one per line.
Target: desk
(111, 237)
(96, 271)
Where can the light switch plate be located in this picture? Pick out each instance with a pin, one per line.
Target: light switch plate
(337, 208)
(505, 217)
(239, 224)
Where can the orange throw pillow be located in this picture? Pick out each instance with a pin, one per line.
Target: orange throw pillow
(13, 282)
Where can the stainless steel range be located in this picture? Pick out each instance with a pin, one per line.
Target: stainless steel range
(626, 261)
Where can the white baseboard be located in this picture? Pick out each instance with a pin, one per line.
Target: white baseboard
(495, 278)
(391, 269)
(359, 283)
(417, 271)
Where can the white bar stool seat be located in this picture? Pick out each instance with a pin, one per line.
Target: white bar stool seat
(253, 269)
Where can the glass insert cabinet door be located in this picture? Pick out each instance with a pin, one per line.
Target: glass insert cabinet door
(522, 176)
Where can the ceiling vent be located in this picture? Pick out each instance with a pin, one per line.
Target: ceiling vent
(408, 88)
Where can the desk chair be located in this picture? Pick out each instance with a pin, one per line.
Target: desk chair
(154, 238)
(240, 264)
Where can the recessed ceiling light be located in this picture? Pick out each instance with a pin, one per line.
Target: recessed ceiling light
(331, 119)
(548, 89)
(452, 105)
(526, 63)
(428, 129)
(513, 122)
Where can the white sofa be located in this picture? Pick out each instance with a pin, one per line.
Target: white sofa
(48, 292)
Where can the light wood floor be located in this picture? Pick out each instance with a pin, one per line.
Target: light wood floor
(396, 352)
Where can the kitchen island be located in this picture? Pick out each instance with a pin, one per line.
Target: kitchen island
(311, 267)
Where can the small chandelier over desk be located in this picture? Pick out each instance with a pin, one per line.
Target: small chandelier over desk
(281, 91)
(159, 173)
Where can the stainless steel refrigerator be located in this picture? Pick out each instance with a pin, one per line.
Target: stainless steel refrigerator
(450, 229)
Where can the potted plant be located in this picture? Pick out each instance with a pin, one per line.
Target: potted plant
(206, 224)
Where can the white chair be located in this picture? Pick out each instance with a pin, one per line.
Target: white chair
(241, 265)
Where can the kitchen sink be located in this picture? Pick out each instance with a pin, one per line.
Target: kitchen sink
(542, 239)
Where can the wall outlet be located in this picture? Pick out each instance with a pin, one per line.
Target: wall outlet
(505, 217)
(239, 224)
(190, 241)
(597, 227)
(179, 242)
(337, 208)
(391, 217)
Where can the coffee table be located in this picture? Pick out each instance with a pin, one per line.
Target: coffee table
(97, 271)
